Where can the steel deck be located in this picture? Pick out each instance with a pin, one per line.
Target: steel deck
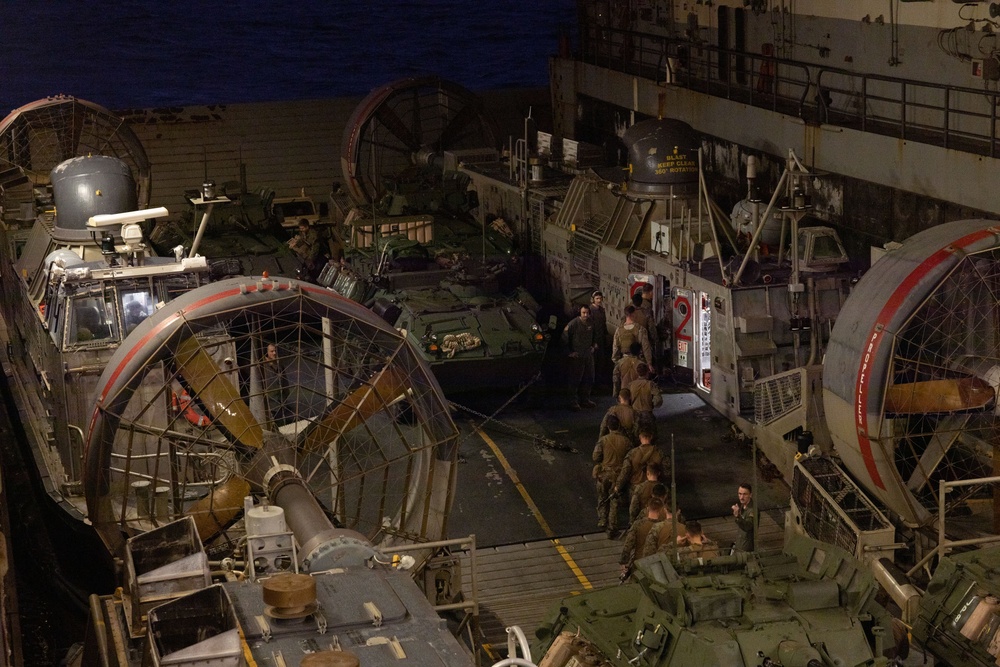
(531, 507)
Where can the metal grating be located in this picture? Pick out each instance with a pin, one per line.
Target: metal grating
(776, 396)
(819, 520)
(587, 244)
(637, 262)
(833, 509)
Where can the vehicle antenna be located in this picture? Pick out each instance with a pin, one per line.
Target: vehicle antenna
(673, 497)
(755, 516)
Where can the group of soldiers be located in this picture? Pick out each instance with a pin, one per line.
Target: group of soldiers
(631, 349)
(640, 472)
(629, 468)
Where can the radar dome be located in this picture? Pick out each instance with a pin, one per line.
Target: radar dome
(87, 186)
(662, 153)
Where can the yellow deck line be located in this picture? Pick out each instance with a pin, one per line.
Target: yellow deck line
(581, 577)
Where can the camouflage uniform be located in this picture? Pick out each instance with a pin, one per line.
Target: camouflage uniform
(629, 333)
(635, 541)
(634, 466)
(641, 493)
(626, 418)
(705, 548)
(645, 396)
(661, 535)
(624, 373)
(608, 454)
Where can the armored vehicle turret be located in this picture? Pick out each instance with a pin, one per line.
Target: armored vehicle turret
(809, 605)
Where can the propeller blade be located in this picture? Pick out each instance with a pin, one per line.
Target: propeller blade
(398, 128)
(932, 396)
(456, 126)
(216, 510)
(360, 404)
(948, 431)
(217, 394)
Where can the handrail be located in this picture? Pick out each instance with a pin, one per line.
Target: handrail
(958, 117)
(887, 103)
(944, 545)
(763, 81)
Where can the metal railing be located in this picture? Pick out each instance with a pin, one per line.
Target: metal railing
(957, 117)
(944, 545)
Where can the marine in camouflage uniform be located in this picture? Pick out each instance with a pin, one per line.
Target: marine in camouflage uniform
(628, 332)
(662, 538)
(626, 369)
(645, 396)
(625, 414)
(696, 544)
(609, 453)
(634, 547)
(634, 466)
(646, 489)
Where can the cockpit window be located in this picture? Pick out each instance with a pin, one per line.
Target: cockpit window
(136, 306)
(91, 320)
(826, 247)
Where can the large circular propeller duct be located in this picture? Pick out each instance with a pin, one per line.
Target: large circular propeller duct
(37, 137)
(235, 380)
(409, 123)
(912, 370)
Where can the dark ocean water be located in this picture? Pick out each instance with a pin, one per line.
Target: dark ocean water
(148, 54)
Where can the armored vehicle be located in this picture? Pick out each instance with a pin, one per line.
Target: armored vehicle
(809, 605)
(416, 251)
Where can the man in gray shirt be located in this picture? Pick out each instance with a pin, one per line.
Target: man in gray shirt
(581, 342)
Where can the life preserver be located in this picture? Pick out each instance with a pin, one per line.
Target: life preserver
(184, 405)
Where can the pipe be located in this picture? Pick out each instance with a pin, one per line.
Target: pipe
(703, 191)
(201, 230)
(516, 640)
(903, 593)
(760, 228)
(99, 629)
(811, 309)
(323, 545)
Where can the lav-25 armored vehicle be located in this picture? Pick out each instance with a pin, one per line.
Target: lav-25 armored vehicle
(810, 605)
(416, 253)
